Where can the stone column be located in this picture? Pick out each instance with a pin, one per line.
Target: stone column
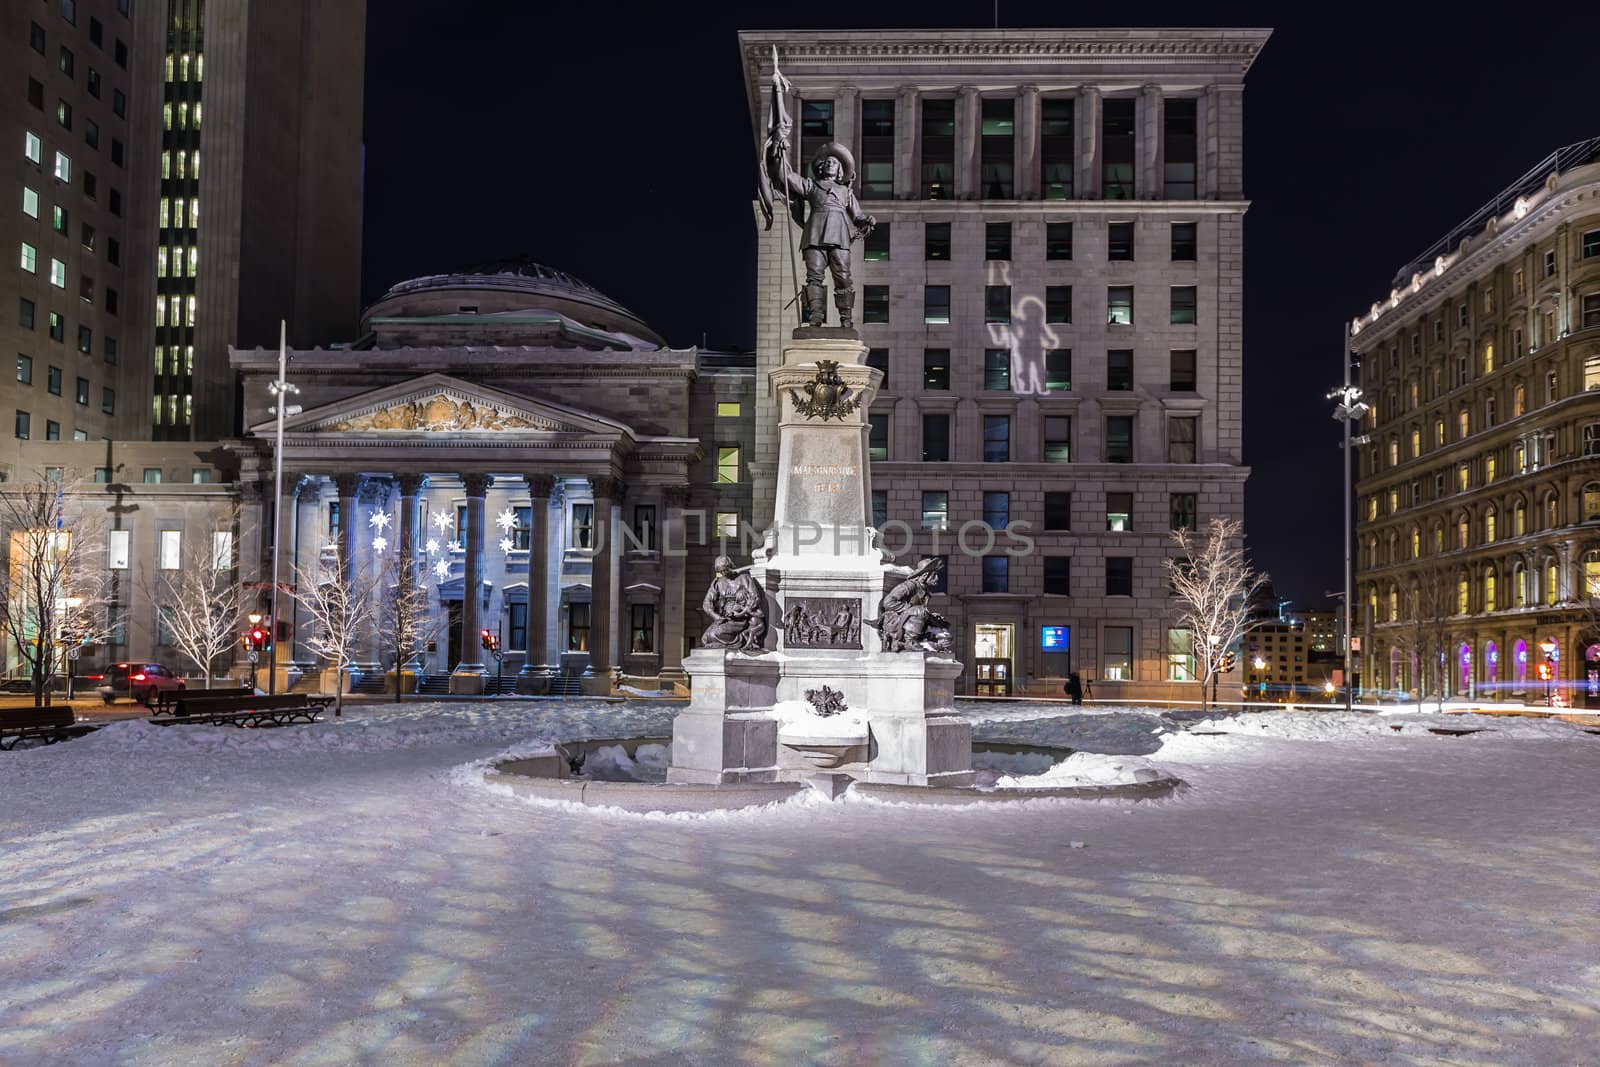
(969, 117)
(1086, 182)
(907, 136)
(597, 680)
(349, 488)
(410, 486)
(536, 667)
(469, 675)
(1210, 132)
(1029, 116)
(846, 113)
(674, 558)
(1149, 167)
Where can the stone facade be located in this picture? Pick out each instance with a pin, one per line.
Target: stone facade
(1478, 490)
(880, 93)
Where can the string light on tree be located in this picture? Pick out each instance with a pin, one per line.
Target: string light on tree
(442, 569)
(506, 520)
(505, 544)
(379, 520)
(379, 544)
(444, 520)
(433, 546)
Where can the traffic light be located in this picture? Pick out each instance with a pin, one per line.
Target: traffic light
(1228, 660)
(487, 639)
(258, 638)
(1544, 672)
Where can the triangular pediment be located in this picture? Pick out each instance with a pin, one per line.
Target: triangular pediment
(439, 403)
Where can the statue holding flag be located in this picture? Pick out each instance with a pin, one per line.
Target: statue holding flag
(834, 219)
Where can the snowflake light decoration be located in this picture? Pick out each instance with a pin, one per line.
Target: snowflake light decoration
(379, 544)
(379, 520)
(444, 520)
(442, 569)
(505, 544)
(433, 546)
(506, 520)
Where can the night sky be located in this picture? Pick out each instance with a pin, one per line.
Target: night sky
(613, 141)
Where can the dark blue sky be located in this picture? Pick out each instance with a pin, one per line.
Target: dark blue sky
(613, 140)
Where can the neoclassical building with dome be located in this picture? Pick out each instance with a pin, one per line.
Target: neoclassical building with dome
(560, 475)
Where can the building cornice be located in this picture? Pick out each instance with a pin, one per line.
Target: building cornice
(1528, 219)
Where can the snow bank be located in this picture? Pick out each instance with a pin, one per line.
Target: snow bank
(996, 770)
(1341, 726)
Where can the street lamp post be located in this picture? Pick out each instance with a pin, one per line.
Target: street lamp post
(1349, 409)
(280, 390)
(1548, 647)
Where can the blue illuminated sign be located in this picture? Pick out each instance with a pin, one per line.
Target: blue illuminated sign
(1055, 638)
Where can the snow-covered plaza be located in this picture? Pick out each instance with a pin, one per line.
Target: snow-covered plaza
(1328, 889)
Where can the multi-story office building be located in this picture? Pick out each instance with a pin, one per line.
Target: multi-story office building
(75, 274)
(1478, 495)
(135, 266)
(1053, 292)
(254, 192)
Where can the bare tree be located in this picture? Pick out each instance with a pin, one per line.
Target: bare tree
(200, 599)
(407, 610)
(1423, 634)
(342, 603)
(55, 580)
(1214, 583)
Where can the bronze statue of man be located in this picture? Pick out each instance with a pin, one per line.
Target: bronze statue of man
(834, 219)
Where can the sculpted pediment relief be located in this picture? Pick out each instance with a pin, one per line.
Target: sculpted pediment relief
(440, 404)
(442, 413)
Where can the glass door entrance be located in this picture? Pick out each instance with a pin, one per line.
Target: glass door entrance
(991, 654)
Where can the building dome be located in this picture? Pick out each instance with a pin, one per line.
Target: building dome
(503, 289)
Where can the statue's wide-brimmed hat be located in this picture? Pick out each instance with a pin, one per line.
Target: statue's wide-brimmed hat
(929, 567)
(847, 162)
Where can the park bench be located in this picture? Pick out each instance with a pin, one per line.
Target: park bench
(40, 724)
(248, 710)
(171, 701)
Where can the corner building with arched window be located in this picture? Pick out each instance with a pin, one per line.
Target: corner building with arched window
(1478, 489)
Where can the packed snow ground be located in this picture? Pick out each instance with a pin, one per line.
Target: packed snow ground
(1329, 890)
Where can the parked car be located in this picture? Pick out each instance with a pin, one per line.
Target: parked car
(137, 681)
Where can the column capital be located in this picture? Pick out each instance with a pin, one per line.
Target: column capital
(606, 487)
(348, 484)
(966, 92)
(477, 484)
(252, 492)
(1029, 90)
(540, 486)
(675, 496)
(410, 483)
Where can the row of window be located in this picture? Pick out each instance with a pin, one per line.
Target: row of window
(58, 277)
(1183, 245)
(1529, 453)
(52, 428)
(1488, 526)
(1436, 602)
(1056, 438)
(33, 149)
(1182, 305)
(997, 146)
(57, 330)
(1397, 403)
(1005, 370)
(169, 550)
(91, 128)
(1119, 511)
(61, 223)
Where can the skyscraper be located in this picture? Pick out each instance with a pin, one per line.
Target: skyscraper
(255, 191)
(74, 270)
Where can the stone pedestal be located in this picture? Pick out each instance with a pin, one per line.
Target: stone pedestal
(750, 717)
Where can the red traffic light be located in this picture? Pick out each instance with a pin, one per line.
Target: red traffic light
(258, 637)
(486, 638)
